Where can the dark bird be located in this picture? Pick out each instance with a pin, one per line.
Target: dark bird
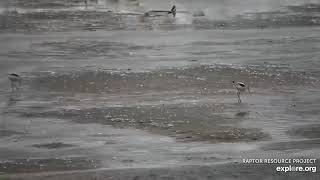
(241, 87)
(173, 11)
(15, 81)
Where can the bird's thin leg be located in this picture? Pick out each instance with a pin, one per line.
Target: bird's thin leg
(15, 86)
(239, 99)
(12, 86)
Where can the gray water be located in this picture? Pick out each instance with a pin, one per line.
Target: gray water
(108, 84)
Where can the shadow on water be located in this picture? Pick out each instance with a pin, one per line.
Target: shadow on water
(5, 133)
(13, 98)
(54, 145)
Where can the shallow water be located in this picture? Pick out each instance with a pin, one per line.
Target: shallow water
(61, 15)
(88, 71)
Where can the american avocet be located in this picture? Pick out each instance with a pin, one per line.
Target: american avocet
(15, 81)
(241, 87)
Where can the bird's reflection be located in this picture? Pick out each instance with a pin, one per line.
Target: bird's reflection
(13, 98)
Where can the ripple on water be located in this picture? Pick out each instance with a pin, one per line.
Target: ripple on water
(45, 165)
(54, 145)
(115, 16)
(311, 131)
(208, 79)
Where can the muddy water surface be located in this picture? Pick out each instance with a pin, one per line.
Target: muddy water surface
(106, 87)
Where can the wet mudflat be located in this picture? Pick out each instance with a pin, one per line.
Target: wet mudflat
(205, 119)
(110, 94)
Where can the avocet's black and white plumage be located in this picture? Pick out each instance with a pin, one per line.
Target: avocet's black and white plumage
(241, 87)
(173, 11)
(15, 81)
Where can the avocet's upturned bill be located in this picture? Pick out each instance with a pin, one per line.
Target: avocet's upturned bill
(15, 81)
(173, 11)
(241, 87)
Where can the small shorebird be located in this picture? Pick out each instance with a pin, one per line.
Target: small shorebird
(86, 3)
(173, 11)
(15, 81)
(241, 87)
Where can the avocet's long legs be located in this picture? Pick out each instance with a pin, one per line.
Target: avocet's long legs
(241, 87)
(12, 87)
(238, 94)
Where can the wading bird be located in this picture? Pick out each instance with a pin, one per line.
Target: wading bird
(241, 87)
(15, 81)
(86, 3)
(173, 11)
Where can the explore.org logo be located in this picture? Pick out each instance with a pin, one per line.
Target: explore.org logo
(303, 165)
(296, 169)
